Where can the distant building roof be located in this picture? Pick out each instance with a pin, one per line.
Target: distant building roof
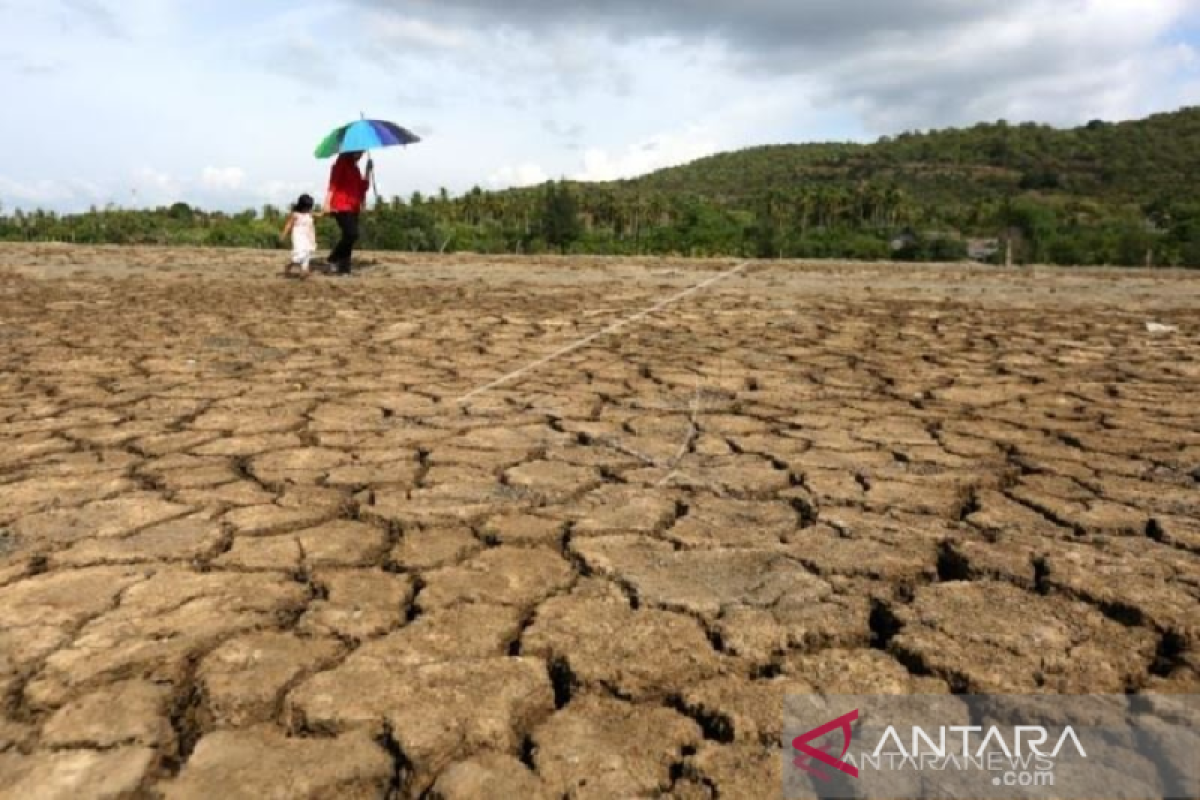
(982, 249)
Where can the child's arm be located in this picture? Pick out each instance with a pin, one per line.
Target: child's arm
(287, 226)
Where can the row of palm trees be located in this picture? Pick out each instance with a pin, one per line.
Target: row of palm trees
(627, 212)
(622, 210)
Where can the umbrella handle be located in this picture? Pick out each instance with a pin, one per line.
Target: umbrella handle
(374, 184)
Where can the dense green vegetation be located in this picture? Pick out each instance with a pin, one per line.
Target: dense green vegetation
(1102, 193)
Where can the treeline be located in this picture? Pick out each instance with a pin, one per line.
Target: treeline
(1119, 194)
(587, 219)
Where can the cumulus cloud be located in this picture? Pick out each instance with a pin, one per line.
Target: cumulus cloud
(901, 63)
(517, 175)
(42, 193)
(151, 179)
(1058, 62)
(223, 178)
(400, 32)
(657, 152)
(16, 194)
(280, 192)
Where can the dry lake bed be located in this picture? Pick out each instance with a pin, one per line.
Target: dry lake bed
(470, 526)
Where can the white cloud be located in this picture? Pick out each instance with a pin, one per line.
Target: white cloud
(406, 31)
(152, 187)
(283, 192)
(151, 178)
(657, 152)
(518, 175)
(48, 193)
(18, 193)
(1058, 62)
(223, 179)
(903, 63)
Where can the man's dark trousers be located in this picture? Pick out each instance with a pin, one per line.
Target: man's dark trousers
(347, 222)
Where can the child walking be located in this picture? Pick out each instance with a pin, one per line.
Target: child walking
(304, 236)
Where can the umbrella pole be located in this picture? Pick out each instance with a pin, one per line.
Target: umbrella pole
(370, 165)
(374, 185)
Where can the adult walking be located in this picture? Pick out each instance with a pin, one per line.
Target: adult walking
(344, 201)
(347, 186)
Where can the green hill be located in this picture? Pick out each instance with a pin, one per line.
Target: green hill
(1142, 161)
(1100, 193)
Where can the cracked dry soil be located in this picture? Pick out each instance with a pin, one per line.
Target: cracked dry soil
(251, 547)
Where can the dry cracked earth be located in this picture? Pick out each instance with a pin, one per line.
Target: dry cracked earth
(251, 546)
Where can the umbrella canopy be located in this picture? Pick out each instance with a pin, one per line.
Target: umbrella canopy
(365, 134)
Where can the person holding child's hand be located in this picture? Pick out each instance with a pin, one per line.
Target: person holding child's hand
(344, 201)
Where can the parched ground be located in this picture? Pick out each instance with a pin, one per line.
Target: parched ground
(251, 545)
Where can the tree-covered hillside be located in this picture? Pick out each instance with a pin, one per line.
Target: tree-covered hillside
(1103, 193)
(1140, 161)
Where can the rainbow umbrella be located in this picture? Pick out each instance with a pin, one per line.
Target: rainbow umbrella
(365, 134)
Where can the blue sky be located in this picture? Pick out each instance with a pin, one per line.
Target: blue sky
(220, 103)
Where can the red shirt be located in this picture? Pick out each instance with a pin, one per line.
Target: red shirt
(347, 186)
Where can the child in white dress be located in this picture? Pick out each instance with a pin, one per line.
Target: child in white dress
(304, 235)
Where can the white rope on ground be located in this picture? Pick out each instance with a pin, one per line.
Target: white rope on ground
(659, 306)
